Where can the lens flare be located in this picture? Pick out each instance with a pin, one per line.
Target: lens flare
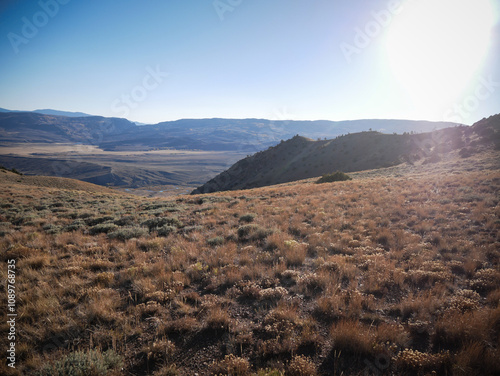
(436, 47)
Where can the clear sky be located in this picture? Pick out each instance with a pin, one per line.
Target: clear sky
(158, 60)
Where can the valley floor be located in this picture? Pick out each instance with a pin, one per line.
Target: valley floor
(395, 272)
(151, 173)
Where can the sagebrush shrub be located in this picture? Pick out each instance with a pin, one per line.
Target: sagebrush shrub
(336, 176)
(82, 363)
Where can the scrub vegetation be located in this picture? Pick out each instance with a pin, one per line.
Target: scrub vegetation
(395, 272)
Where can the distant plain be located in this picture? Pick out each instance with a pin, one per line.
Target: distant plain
(182, 170)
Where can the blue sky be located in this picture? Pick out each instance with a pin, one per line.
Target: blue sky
(152, 61)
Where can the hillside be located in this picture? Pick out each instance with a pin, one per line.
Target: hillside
(395, 272)
(302, 158)
(8, 178)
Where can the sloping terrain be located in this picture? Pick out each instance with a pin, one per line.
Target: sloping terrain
(395, 272)
(302, 158)
(8, 178)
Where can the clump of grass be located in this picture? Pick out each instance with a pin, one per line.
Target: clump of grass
(77, 224)
(52, 229)
(301, 366)
(231, 365)
(412, 362)
(253, 232)
(126, 233)
(158, 222)
(352, 338)
(218, 240)
(166, 230)
(103, 228)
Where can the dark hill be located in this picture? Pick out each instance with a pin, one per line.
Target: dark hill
(302, 158)
(34, 127)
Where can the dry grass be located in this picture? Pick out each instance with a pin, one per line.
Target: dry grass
(395, 272)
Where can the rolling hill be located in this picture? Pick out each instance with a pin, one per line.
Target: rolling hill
(301, 158)
(9, 178)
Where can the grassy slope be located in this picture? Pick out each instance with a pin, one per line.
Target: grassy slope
(8, 179)
(395, 272)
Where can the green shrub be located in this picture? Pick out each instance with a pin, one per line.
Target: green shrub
(336, 176)
(75, 225)
(166, 206)
(249, 217)
(218, 240)
(166, 230)
(103, 228)
(82, 363)
(253, 232)
(52, 229)
(155, 223)
(98, 220)
(125, 221)
(213, 199)
(126, 233)
(188, 229)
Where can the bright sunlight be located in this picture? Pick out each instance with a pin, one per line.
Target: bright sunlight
(436, 47)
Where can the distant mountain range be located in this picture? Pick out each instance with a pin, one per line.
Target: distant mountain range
(323, 146)
(248, 135)
(302, 158)
(52, 112)
(33, 127)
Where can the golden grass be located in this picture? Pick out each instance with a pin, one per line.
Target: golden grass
(395, 272)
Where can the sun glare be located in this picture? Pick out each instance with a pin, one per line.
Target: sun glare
(436, 47)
